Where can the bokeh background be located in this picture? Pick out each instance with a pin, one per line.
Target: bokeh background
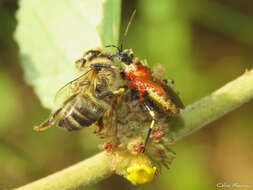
(203, 44)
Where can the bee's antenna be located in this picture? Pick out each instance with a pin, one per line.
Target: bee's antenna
(127, 28)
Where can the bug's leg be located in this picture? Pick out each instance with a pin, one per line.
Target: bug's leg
(152, 113)
(114, 47)
(48, 123)
(171, 81)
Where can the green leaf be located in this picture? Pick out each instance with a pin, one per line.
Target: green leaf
(53, 34)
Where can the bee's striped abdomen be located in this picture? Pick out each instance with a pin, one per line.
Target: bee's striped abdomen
(82, 119)
(81, 112)
(68, 124)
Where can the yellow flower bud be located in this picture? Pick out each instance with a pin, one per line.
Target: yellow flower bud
(139, 174)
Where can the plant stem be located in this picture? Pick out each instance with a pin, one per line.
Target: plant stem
(213, 107)
(77, 176)
(194, 117)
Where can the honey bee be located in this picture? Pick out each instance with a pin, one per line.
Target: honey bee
(88, 97)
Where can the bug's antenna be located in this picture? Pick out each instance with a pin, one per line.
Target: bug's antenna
(120, 48)
(129, 23)
(114, 47)
(127, 28)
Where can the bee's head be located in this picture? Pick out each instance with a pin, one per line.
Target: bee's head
(90, 54)
(87, 56)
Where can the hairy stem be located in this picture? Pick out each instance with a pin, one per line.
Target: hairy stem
(194, 117)
(77, 176)
(214, 106)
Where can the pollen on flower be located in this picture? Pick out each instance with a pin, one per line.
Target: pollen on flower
(247, 71)
(139, 174)
(125, 128)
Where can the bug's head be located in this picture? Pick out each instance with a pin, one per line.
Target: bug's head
(125, 56)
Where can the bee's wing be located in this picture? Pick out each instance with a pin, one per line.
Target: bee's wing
(71, 88)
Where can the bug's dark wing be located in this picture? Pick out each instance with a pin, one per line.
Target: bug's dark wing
(173, 95)
(71, 88)
(170, 93)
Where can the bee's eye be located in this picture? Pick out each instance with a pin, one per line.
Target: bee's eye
(122, 74)
(83, 62)
(93, 53)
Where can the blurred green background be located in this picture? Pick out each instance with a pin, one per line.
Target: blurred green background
(203, 44)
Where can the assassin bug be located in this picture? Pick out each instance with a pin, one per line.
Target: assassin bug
(156, 95)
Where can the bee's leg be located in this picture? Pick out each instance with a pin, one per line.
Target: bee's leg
(48, 123)
(80, 63)
(83, 83)
(111, 93)
(100, 125)
(152, 113)
(104, 66)
(119, 91)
